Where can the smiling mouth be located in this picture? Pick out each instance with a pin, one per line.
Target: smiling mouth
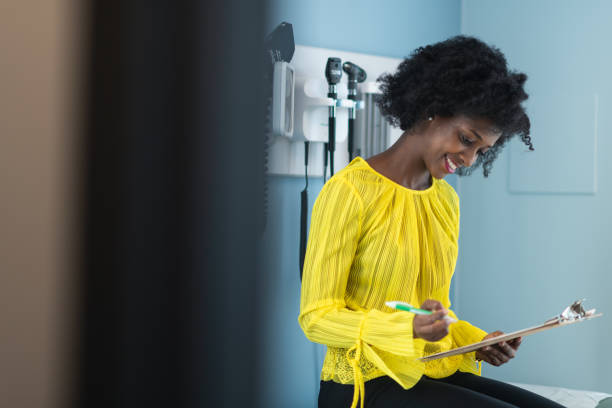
(451, 166)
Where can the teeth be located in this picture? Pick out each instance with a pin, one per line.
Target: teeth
(451, 164)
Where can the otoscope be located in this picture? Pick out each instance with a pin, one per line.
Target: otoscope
(355, 74)
(333, 73)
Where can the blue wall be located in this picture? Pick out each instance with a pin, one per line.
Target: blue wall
(536, 234)
(389, 28)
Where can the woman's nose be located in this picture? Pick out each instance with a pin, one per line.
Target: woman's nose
(469, 157)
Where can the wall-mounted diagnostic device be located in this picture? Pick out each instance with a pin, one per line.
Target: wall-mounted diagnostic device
(279, 81)
(334, 108)
(333, 74)
(283, 99)
(356, 74)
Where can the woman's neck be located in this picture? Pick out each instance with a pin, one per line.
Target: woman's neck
(403, 163)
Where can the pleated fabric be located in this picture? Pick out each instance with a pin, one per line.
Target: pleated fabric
(371, 241)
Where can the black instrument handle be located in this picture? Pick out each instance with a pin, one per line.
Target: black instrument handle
(351, 137)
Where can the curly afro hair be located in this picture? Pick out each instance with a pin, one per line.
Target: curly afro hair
(459, 76)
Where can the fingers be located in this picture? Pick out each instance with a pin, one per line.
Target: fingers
(493, 356)
(505, 349)
(499, 353)
(494, 334)
(436, 316)
(509, 348)
(491, 359)
(431, 304)
(515, 343)
(439, 330)
(432, 327)
(439, 311)
(482, 355)
(437, 327)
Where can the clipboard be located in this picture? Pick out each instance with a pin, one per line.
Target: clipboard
(572, 314)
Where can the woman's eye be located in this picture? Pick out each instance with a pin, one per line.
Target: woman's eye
(465, 140)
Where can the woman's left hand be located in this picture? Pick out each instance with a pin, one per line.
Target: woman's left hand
(500, 353)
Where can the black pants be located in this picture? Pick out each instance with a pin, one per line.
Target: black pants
(459, 390)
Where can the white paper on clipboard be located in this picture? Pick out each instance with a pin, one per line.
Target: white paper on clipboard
(572, 314)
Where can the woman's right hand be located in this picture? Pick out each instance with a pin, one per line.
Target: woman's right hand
(431, 327)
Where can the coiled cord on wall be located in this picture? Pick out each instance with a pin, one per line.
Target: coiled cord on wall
(304, 212)
(267, 140)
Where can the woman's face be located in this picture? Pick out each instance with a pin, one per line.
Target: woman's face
(456, 142)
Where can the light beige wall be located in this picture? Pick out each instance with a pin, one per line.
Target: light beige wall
(39, 83)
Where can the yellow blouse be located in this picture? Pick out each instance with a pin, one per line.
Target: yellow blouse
(371, 241)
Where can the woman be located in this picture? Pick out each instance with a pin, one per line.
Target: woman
(386, 229)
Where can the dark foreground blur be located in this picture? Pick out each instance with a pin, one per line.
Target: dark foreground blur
(132, 172)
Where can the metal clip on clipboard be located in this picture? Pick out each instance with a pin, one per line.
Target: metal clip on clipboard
(572, 314)
(575, 311)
